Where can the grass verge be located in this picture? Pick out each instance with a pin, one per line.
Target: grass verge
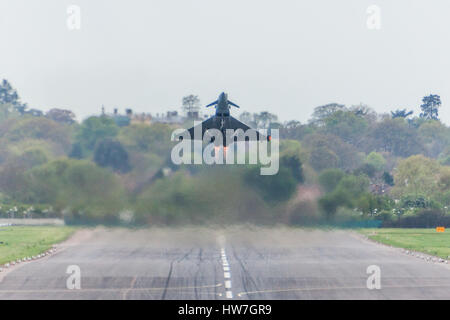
(17, 242)
(424, 240)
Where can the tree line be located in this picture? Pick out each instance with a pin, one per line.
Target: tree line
(344, 164)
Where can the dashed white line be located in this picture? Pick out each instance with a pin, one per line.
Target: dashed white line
(226, 274)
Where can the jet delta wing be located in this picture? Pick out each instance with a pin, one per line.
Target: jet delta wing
(223, 121)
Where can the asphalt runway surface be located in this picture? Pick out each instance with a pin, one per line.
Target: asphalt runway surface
(230, 263)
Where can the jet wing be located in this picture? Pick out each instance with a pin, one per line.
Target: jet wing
(205, 125)
(235, 124)
(222, 124)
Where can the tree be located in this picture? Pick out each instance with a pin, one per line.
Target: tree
(417, 176)
(38, 129)
(86, 192)
(376, 160)
(94, 129)
(401, 113)
(346, 155)
(191, 103)
(322, 112)
(396, 136)
(330, 178)
(436, 137)
(363, 110)
(61, 116)
(292, 161)
(264, 119)
(322, 158)
(430, 107)
(367, 168)
(111, 153)
(153, 139)
(77, 151)
(295, 130)
(388, 178)
(346, 125)
(8, 95)
(276, 188)
(345, 194)
(248, 118)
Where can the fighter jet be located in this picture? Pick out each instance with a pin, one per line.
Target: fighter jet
(222, 121)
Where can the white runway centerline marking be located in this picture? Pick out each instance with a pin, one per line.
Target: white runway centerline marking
(226, 274)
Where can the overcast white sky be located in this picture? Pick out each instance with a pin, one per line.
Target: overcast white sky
(284, 56)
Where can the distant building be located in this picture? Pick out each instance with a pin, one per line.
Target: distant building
(120, 119)
(171, 117)
(142, 118)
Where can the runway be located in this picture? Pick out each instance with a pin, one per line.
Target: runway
(231, 263)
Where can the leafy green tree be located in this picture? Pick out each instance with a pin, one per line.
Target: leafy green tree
(401, 113)
(417, 176)
(38, 129)
(435, 136)
(111, 153)
(396, 136)
(355, 185)
(366, 168)
(183, 198)
(388, 178)
(264, 119)
(143, 138)
(8, 95)
(77, 151)
(430, 107)
(94, 129)
(294, 164)
(191, 103)
(322, 158)
(346, 125)
(364, 111)
(376, 160)
(61, 116)
(347, 156)
(295, 130)
(346, 193)
(330, 178)
(275, 188)
(84, 192)
(322, 112)
(247, 118)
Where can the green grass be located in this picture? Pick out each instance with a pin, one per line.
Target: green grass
(424, 240)
(19, 242)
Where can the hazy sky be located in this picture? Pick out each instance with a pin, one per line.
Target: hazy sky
(284, 56)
